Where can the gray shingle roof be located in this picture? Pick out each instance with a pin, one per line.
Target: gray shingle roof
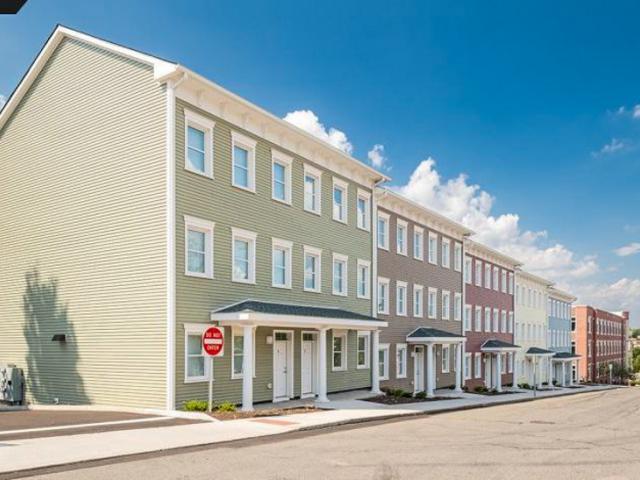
(495, 343)
(567, 355)
(293, 310)
(538, 351)
(423, 332)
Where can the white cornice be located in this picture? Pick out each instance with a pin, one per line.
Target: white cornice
(490, 255)
(533, 278)
(561, 295)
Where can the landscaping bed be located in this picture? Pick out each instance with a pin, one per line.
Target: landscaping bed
(398, 397)
(491, 393)
(260, 413)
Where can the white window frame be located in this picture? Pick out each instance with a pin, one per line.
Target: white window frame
(495, 324)
(457, 307)
(251, 237)
(316, 252)
(287, 246)
(446, 253)
(457, 256)
(316, 174)
(487, 319)
(510, 282)
(342, 259)
(503, 321)
(344, 187)
(477, 365)
(468, 313)
(404, 286)
(418, 232)
(401, 351)
(206, 227)
(343, 352)
(468, 270)
(432, 303)
(199, 122)
(248, 144)
(510, 328)
(468, 365)
(366, 196)
(402, 225)
(446, 312)
(432, 247)
(383, 281)
(286, 161)
(384, 347)
(195, 329)
(487, 275)
(478, 270)
(367, 284)
(239, 332)
(385, 217)
(367, 350)
(495, 272)
(477, 321)
(503, 281)
(445, 360)
(418, 289)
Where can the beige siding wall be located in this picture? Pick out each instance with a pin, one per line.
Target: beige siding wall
(82, 232)
(217, 201)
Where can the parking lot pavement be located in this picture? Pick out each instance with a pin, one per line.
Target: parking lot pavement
(589, 436)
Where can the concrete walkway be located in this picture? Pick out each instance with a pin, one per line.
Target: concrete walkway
(16, 455)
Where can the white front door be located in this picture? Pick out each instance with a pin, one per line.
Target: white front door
(281, 367)
(309, 365)
(418, 369)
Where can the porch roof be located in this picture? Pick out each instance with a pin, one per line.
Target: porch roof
(565, 356)
(495, 345)
(433, 335)
(537, 351)
(284, 314)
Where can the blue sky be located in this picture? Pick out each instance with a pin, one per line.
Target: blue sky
(521, 97)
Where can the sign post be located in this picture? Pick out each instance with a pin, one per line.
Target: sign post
(213, 346)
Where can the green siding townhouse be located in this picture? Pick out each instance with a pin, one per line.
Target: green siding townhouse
(141, 203)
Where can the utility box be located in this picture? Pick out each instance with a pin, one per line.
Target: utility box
(11, 384)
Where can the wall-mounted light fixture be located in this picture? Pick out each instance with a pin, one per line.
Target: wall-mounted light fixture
(59, 337)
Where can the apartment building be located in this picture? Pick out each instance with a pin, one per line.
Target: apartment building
(600, 338)
(419, 295)
(489, 278)
(559, 336)
(141, 203)
(534, 362)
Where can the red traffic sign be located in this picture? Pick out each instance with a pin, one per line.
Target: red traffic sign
(213, 341)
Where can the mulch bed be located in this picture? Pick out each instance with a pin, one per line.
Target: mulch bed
(492, 394)
(258, 413)
(393, 400)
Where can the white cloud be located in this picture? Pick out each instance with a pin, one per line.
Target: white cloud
(627, 250)
(309, 121)
(623, 294)
(636, 111)
(377, 157)
(613, 146)
(3, 100)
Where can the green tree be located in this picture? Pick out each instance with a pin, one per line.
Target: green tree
(635, 333)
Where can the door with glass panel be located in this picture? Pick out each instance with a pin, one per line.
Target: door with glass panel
(309, 365)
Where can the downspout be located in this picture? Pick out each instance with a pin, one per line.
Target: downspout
(170, 194)
(374, 268)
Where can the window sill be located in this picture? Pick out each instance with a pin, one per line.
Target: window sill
(343, 222)
(340, 294)
(362, 367)
(398, 377)
(341, 369)
(312, 290)
(283, 287)
(197, 380)
(199, 173)
(283, 202)
(404, 254)
(418, 259)
(245, 282)
(364, 297)
(244, 189)
(383, 248)
(314, 212)
(364, 229)
(199, 275)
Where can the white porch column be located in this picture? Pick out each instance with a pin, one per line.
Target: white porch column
(247, 368)
(571, 373)
(375, 370)
(550, 360)
(459, 347)
(430, 370)
(564, 374)
(498, 372)
(322, 366)
(577, 371)
(514, 368)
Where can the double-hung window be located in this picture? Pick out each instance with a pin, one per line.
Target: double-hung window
(340, 269)
(401, 237)
(457, 257)
(339, 350)
(401, 298)
(487, 319)
(364, 279)
(312, 188)
(281, 177)
(446, 352)
(196, 367)
(198, 237)
(237, 360)
(487, 275)
(383, 361)
(467, 270)
(478, 319)
(503, 284)
(446, 304)
(433, 248)
(496, 320)
(446, 253)
(478, 273)
(340, 195)
(401, 360)
(281, 263)
(312, 269)
(198, 153)
(496, 278)
(457, 307)
(418, 243)
(418, 295)
(383, 295)
(467, 366)
(503, 321)
(477, 364)
(432, 303)
(244, 256)
(364, 210)
(244, 162)
(510, 324)
(383, 230)
(467, 318)
(362, 353)
(510, 275)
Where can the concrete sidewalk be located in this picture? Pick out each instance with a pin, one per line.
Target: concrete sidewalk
(16, 455)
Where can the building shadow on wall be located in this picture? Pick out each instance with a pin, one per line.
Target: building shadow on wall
(51, 371)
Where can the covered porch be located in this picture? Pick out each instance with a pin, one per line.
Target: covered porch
(564, 366)
(496, 353)
(541, 366)
(424, 340)
(303, 358)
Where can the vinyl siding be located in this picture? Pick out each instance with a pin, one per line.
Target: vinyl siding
(82, 232)
(217, 201)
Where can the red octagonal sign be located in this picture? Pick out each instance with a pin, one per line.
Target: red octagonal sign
(213, 341)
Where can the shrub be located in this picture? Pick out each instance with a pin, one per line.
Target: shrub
(195, 406)
(386, 390)
(481, 389)
(407, 395)
(555, 382)
(227, 407)
(525, 386)
(545, 384)
(397, 393)
(421, 395)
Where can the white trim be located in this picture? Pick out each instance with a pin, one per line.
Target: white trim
(385, 370)
(401, 347)
(432, 313)
(457, 302)
(286, 161)
(458, 260)
(193, 329)
(316, 173)
(447, 311)
(367, 351)
(386, 217)
(364, 195)
(367, 293)
(467, 318)
(417, 288)
(344, 259)
(405, 286)
(248, 144)
(432, 253)
(316, 252)
(418, 231)
(316, 361)
(467, 374)
(447, 357)
(206, 126)
(239, 332)
(203, 226)
(477, 362)
(344, 187)
(344, 334)
(387, 283)
(290, 362)
(288, 247)
(445, 263)
(404, 225)
(251, 238)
